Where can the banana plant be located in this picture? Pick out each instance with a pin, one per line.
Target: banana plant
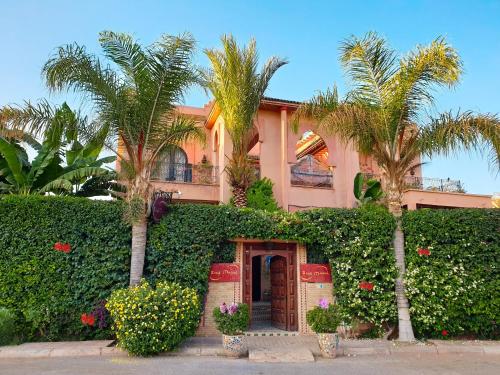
(369, 191)
(48, 172)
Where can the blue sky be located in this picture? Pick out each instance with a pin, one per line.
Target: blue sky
(306, 32)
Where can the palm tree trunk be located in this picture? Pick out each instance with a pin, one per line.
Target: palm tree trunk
(404, 320)
(139, 230)
(240, 197)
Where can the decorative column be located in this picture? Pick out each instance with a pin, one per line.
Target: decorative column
(284, 158)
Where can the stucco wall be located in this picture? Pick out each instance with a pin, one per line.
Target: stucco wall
(436, 198)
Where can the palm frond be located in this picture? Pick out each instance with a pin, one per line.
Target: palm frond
(370, 63)
(238, 86)
(451, 132)
(317, 108)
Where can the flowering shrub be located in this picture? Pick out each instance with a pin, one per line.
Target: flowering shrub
(324, 318)
(233, 319)
(363, 267)
(452, 272)
(149, 321)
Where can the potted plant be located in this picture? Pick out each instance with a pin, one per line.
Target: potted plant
(232, 322)
(324, 320)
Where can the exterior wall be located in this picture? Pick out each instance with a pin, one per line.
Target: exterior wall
(276, 148)
(221, 292)
(437, 198)
(309, 295)
(190, 192)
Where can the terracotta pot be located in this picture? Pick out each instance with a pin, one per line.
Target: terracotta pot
(234, 346)
(328, 344)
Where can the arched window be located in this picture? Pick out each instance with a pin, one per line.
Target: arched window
(312, 167)
(174, 166)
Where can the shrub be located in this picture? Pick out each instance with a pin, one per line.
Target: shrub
(358, 245)
(357, 242)
(453, 278)
(59, 258)
(233, 319)
(149, 321)
(324, 318)
(7, 326)
(260, 195)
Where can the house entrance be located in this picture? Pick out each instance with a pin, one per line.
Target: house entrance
(270, 285)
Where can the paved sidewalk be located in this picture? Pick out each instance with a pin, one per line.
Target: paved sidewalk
(211, 346)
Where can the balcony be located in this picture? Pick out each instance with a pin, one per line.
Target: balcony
(309, 172)
(429, 184)
(199, 174)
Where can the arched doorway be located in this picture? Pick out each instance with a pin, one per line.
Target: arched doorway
(270, 285)
(312, 167)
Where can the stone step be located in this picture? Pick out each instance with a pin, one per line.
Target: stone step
(283, 355)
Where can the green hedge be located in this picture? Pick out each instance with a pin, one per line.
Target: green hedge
(357, 242)
(49, 289)
(456, 287)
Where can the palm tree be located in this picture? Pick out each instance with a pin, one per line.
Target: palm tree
(385, 115)
(46, 172)
(238, 87)
(136, 99)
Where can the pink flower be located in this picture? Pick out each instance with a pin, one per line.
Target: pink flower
(223, 308)
(323, 303)
(233, 309)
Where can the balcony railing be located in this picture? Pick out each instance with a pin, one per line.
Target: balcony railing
(429, 184)
(203, 174)
(323, 179)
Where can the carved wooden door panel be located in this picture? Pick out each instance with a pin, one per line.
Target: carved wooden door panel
(279, 292)
(292, 320)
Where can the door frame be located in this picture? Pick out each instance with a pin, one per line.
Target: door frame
(287, 250)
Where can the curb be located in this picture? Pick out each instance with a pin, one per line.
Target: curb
(435, 347)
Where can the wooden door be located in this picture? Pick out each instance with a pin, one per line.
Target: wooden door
(292, 312)
(279, 292)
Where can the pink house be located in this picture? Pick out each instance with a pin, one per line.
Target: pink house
(308, 170)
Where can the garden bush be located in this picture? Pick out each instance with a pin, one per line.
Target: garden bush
(358, 245)
(453, 276)
(260, 195)
(357, 242)
(7, 326)
(60, 258)
(324, 318)
(152, 320)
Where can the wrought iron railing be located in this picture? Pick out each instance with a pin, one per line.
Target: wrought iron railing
(203, 174)
(429, 184)
(313, 178)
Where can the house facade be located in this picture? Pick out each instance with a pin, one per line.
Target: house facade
(309, 169)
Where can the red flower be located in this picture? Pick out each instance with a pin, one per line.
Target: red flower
(366, 285)
(444, 332)
(425, 252)
(63, 247)
(88, 319)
